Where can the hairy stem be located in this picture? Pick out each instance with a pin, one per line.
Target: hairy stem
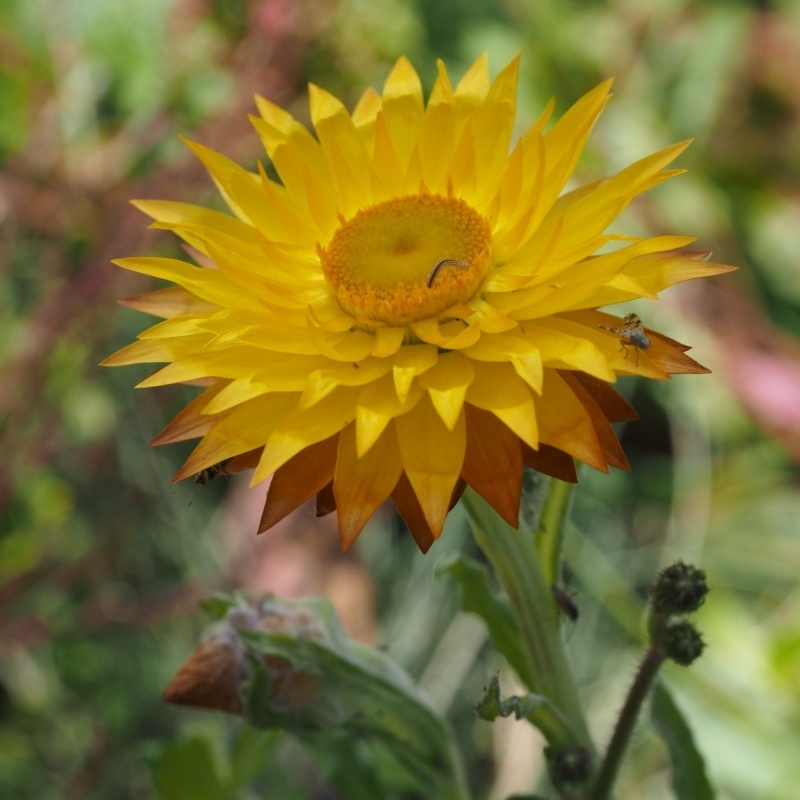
(642, 683)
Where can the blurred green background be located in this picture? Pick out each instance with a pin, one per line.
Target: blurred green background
(103, 561)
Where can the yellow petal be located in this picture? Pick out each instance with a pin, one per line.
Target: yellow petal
(612, 450)
(489, 318)
(243, 428)
(493, 463)
(403, 81)
(563, 343)
(385, 162)
(451, 335)
(493, 126)
(361, 484)
(408, 363)
(193, 421)
(378, 405)
(144, 351)
(349, 346)
(347, 158)
(614, 407)
(300, 427)
(432, 458)
(446, 384)
(207, 284)
(473, 87)
(515, 348)
(366, 111)
(565, 140)
(186, 220)
(581, 284)
(403, 108)
(442, 92)
(387, 341)
(298, 479)
(292, 149)
(167, 302)
(268, 208)
(234, 394)
(322, 382)
(410, 510)
(497, 388)
(437, 141)
(564, 423)
(660, 270)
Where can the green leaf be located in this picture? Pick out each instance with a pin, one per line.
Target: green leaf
(689, 781)
(251, 754)
(304, 675)
(187, 771)
(256, 692)
(478, 597)
(361, 769)
(492, 705)
(219, 605)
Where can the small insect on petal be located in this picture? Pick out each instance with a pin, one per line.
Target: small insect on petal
(632, 333)
(453, 262)
(209, 473)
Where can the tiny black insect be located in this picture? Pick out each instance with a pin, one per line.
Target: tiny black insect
(566, 603)
(209, 473)
(453, 262)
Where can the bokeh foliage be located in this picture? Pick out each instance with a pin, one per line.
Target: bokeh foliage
(103, 561)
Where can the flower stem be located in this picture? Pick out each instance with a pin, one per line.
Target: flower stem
(512, 554)
(550, 530)
(645, 675)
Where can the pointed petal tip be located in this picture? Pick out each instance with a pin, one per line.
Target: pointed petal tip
(165, 437)
(348, 534)
(181, 475)
(423, 541)
(609, 82)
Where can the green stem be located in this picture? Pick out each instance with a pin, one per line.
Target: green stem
(645, 675)
(457, 789)
(513, 557)
(550, 530)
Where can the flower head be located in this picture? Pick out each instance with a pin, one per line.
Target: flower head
(412, 307)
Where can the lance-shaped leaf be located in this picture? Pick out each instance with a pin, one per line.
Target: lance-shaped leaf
(289, 665)
(478, 597)
(689, 780)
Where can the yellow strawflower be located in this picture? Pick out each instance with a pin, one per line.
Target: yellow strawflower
(413, 306)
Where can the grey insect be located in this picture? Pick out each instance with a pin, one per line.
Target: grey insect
(631, 334)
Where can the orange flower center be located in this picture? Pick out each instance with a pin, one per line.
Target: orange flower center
(408, 259)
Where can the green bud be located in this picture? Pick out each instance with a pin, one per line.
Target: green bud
(568, 766)
(682, 643)
(679, 589)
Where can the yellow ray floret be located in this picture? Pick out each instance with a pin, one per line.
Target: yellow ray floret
(412, 306)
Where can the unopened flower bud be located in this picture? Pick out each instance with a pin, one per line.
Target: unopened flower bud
(682, 643)
(679, 589)
(568, 766)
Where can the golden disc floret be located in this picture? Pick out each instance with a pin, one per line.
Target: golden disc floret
(408, 259)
